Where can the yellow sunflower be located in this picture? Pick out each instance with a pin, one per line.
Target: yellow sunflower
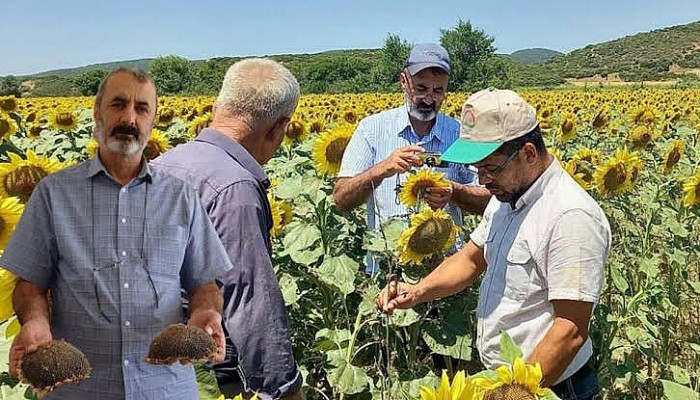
(64, 120)
(644, 115)
(572, 168)
(317, 126)
(19, 176)
(8, 103)
(7, 286)
(691, 190)
(296, 132)
(430, 232)
(567, 127)
(10, 211)
(157, 145)
(587, 154)
(91, 147)
(618, 174)
(198, 124)
(165, 116)
(462, 388)
(328, 148)
(640, 136)
(601, 119)
(417, 183)
(672, 156)
(8, 126)
(281, 215)
(521, 381)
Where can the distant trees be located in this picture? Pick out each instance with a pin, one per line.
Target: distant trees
(88, 82)
(10, 86)
(173, 75)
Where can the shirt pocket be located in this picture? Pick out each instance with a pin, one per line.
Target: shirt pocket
(519, 271)
(166, 253)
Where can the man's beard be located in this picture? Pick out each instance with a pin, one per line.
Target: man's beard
(119, 145)
(421, 111)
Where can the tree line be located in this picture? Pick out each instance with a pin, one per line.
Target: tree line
(474, 66)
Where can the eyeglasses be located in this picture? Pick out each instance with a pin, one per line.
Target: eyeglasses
(418, 94)
(494, 172)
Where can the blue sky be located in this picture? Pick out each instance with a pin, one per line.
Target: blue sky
(39, 35)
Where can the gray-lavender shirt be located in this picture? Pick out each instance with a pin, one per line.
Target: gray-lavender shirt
(232, 186)
(115, 258)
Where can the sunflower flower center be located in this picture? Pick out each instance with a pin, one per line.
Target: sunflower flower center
(513, 391)
(152, 150)
(4, 127)
(430, 236)
(614, 177)
(64, 119)
(8, 104)
(673, 157)
(22, 181)
(295, 129)
(567, 127)
(335, 150)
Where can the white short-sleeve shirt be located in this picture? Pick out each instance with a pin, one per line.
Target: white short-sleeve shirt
(551, 246)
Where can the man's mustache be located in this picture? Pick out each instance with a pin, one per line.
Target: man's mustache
(125, 130)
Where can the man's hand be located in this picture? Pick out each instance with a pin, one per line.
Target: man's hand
(401, 160)
(210, 321)
(438, 197)
(33, 333)
(397, 295)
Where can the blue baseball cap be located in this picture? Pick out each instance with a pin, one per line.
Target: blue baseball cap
(427, 55)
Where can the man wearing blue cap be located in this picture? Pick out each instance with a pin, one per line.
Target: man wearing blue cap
(543, 238)
(387, 145)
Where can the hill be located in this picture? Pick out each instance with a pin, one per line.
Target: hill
(68, 72)
(534, 56)
(659, 54)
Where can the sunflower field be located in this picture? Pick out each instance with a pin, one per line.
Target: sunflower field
(636, 151)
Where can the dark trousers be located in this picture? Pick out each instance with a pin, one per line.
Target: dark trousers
(583, 385)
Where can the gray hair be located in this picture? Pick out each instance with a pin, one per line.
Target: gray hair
(139, 75)
(258, 90)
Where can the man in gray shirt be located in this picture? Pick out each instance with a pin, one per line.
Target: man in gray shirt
(223, 163)
(115, 241)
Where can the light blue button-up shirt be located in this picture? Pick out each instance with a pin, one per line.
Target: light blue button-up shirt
(379, 135)
(115, 258)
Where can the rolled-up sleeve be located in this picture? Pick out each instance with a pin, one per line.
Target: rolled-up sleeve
(32, 253)
(577, 251)
(254, 311)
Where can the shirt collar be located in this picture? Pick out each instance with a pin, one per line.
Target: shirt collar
(95, 166)
(236, 151)
(437, 131)
(540, 185)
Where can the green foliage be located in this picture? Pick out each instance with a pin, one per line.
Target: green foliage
(472, 62)
(10, 86)
(394, 55)
(172, 75)
(89, 81)
(54, 86)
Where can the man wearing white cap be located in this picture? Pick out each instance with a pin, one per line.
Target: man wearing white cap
(541, 246)
(385, 146)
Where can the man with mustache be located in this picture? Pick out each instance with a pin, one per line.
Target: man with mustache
(386, 146)
(543, 239)
(115, 241)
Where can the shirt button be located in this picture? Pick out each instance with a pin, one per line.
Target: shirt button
(126, 286)
(123, 220)
(127, 323)
(123, 253)
(123, 190)
(126, 363)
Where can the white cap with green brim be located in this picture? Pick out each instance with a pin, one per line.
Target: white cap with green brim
(489, 118)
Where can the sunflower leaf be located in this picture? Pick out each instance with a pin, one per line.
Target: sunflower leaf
(449, 337)
(347, 378)
(675, 391)
(290, 289)
(509, 349)
(339, 272)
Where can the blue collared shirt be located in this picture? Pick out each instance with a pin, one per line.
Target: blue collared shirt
(232, 186)
(115, 258)
(379, 135)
